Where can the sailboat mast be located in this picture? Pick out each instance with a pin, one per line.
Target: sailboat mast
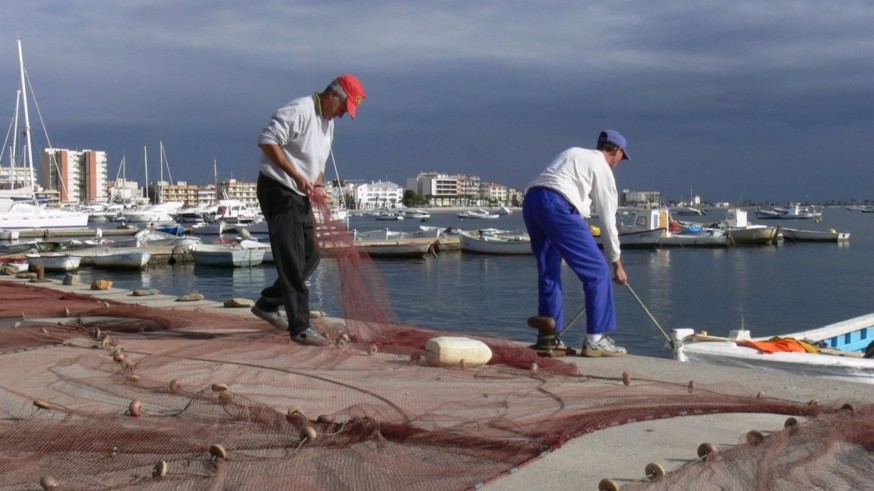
(146, 162)
(26, 116)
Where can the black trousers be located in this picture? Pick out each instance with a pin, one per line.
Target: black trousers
(296, 252)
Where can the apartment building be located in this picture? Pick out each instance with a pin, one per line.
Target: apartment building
(79, 176)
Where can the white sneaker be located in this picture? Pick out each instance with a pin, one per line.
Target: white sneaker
(604, 347)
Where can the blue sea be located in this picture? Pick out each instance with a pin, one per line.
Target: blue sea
(768, 290)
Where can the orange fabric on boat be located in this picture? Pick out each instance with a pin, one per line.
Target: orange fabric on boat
(778, 345)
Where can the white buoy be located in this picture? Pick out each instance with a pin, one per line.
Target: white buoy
(449, 350)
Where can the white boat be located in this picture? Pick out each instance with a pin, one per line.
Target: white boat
(54, 261)
(478, 213)
(152, 238)
(847, 353)
(403, 247)
(687, 211)
(501, 244)
(505, 211)
(741, 232)
(17, 214)
(23, 215)
(659, 218)
(388, 215)
(157, 214)
(6, 234)
(121, 259)
(230, 255)
(417, 214)
(254, 244)
(637, 239)
(798, 235)
(791, 212)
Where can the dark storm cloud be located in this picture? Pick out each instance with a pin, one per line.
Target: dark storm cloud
(768, 101)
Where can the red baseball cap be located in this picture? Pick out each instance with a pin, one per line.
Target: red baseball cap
(355, 93)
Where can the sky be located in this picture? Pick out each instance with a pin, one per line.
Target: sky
(733, 101)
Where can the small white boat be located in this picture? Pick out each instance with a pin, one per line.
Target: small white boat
(845, 350)
(7, 234)
(263, 246)
(798, 235)
(54, 262)
(121, 259)
(13, 266)
(478, 213)
(418, 214)
(388, 215)
(231, 255)
(505, 211)
(637, 239)
(500, 244)
(791, 212)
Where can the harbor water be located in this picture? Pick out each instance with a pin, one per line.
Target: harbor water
(769, 290)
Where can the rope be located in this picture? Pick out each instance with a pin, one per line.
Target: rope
(647, 312)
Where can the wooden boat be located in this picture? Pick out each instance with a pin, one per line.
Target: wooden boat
(845, 350)
(495, 243)
(798, 235)
(232, 256)
(403, 247)
(121, 259)
(637, 239)
(54, 261)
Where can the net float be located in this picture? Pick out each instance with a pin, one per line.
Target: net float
(42, 404)
(160, 470)
(691, 386)
(133, 378)
(219, 387)
(135, 408)
(294, 412)
(218, 452)
(119, 357)
(175, 385)
(225, 397)
(372, 349)
(755, 437)
(49, 483)
(534, 368)
(706, 449)
(626, 378)
(308, 432)
(325, 418)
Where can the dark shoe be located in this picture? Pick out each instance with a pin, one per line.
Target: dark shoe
(310, 337)
(542, 323)
(274, 318)
(604, 347)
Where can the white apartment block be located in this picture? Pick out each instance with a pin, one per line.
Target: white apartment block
(494, 193)
(79, 176)
(378, 195)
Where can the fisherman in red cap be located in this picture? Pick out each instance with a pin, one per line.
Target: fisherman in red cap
(295, 147)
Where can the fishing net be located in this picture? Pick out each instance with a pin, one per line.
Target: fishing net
(98, 394)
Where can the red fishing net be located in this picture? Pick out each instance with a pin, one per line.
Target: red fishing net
(98, 394)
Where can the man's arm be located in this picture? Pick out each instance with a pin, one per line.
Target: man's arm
(274, 152)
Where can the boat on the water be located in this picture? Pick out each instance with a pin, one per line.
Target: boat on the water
(121, 259)
(226, 255)
(791, 212)
(478, 213)
(842, 351)
(481, 242)
(799, 235)
(54, 261)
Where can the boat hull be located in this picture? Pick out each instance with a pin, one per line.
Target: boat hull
(59, 262)
(133, 260)
(229, 257)
(798, 235)
(495, 244)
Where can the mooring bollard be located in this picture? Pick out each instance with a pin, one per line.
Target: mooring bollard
(71, 279)
(40, 271)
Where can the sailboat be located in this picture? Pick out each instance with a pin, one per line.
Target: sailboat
(16, 214)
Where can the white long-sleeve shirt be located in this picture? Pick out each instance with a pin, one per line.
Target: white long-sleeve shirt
(581, 176)
(305, 137)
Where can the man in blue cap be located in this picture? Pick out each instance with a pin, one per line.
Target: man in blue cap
(556, 206)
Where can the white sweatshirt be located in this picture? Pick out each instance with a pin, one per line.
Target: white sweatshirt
(582, 175)
(305, 137)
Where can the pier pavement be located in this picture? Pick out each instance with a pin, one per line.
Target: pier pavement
(619, 452)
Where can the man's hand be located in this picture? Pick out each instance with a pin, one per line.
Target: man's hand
(619, 275)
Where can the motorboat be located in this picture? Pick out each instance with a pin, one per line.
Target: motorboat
(799, 235)
(417, 214)
(121, 259)
(19, 215)
(54, 261)
(636, 239)
(478, 213)
(841, 351)
(495, 243)
(741, 232)
(791, 212)
(227, 255)
(672, 233)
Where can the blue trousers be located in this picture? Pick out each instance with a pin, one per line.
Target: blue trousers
(559, 232)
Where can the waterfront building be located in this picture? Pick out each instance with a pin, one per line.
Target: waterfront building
(79, 176)
(494, 194)
(247, 192)
(378, 195)
(641, 199)
(181, 191)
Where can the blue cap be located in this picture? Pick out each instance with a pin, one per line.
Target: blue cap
(615, 138)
